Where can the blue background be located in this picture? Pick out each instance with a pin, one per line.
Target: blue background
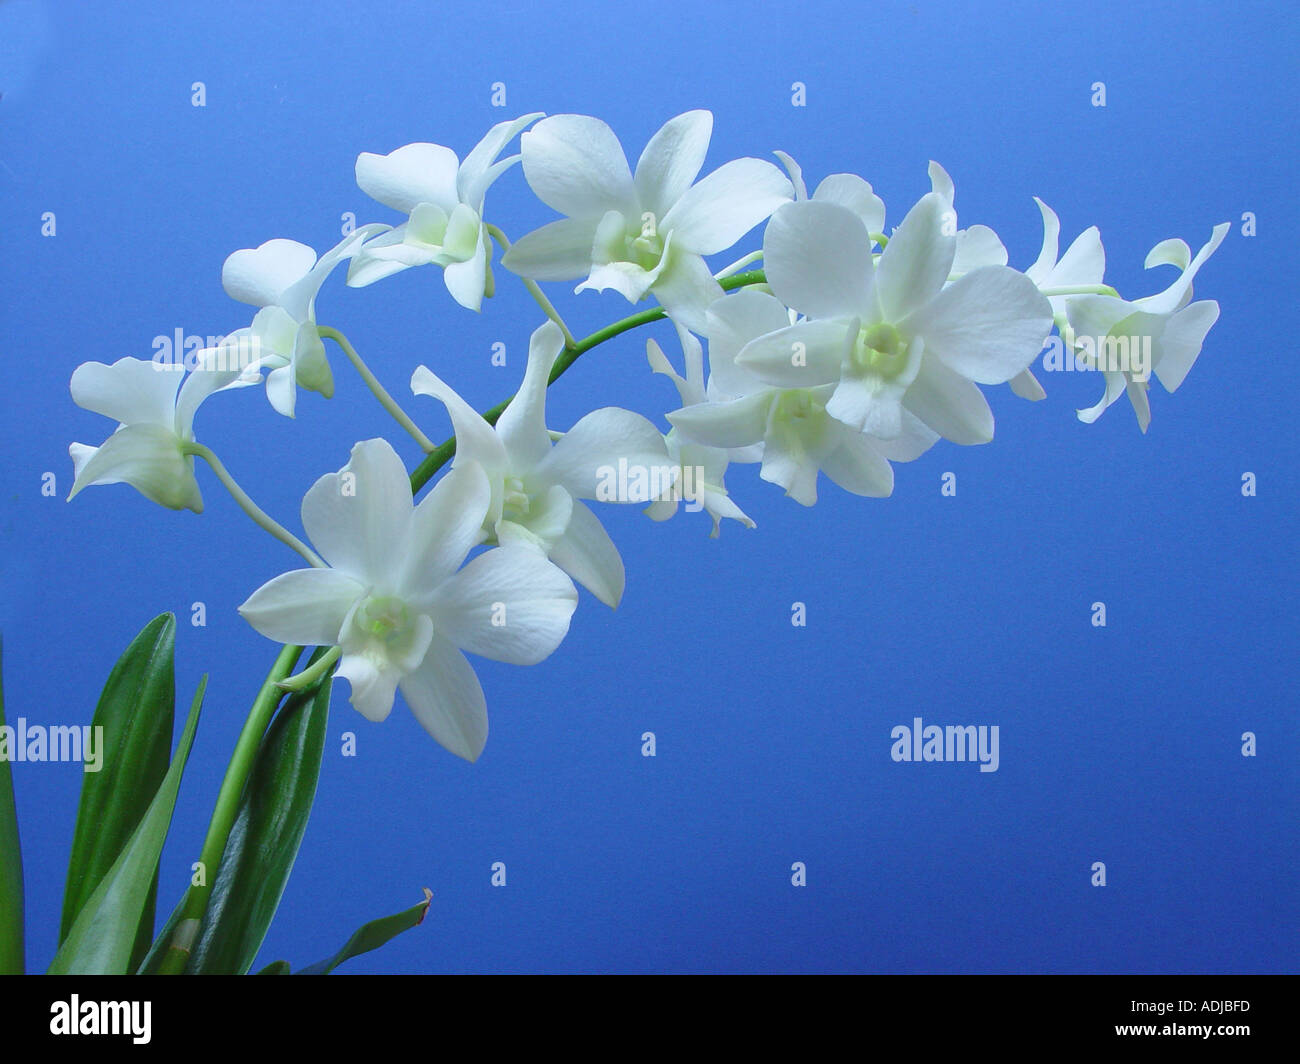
(1120, 744)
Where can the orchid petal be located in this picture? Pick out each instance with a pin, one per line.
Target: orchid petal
(1171, 252)
(509, 604)
(446, 698)
(715, 213)
(686, 289)
(1115, 385)
(1180, 343)
(466, 280)
(589, 556)
(795, 172)
(131, 390)
(917, 260)
(575, 165)
(282, 390)
(804, 355)
(731, 323)
(445, 527)
(988, 325)
(522, 427)
(410, 175)
(733, 423)
(373, 682)
(1177, 294)
(305, 606)
(978, 246)
(261, 275)
(672, 160)
(949, 404)
(559, 251)
(818, 259)
(146, 456)
(476, 440)
(857, 467)
(299, 299)
(855, 194)
(355, 516)
(480, 167)
(1084, 262)
(1046, 260)
(600, 440)
(915, 437)
(870, 404)
(1026, 386)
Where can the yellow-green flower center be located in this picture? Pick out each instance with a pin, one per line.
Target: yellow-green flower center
(879, 350)
(645, 249)
(796, 406)
(382, 616)
(516, 503)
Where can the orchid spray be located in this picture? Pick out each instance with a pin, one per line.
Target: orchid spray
(839, 348)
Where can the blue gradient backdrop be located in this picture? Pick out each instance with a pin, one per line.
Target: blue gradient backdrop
(1120, 745)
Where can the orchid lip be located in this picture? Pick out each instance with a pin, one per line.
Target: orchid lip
(878, 349)
(645, 249)
(796, 405)
(383, 617)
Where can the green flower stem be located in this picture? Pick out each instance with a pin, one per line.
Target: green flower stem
(273, 689)
(380, 392)
(442, 454)
(739, 264)
(251, 508)
(548, 308)
(1080, 290)
(225, 811)
(312, 673)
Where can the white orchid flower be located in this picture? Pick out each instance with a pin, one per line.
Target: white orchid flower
(283, 278)
(396, 602)
(894, 335)
(443, 199)
(976, 246)
(642, 234)
(536, 487)
(848, 190)
(787, 429)
(1167, 325)
(155, 422)
(701, 469)
(1084, 263)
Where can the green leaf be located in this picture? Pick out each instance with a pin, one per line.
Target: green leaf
(372, 936)
(276, 968)
(137, 712)
(103, 936)
(162, 940)
(12, 956)
(264, 841)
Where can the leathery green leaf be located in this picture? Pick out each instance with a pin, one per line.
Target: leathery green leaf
(103, 936)
(372, 936)
(264, 841)
(136, 713)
